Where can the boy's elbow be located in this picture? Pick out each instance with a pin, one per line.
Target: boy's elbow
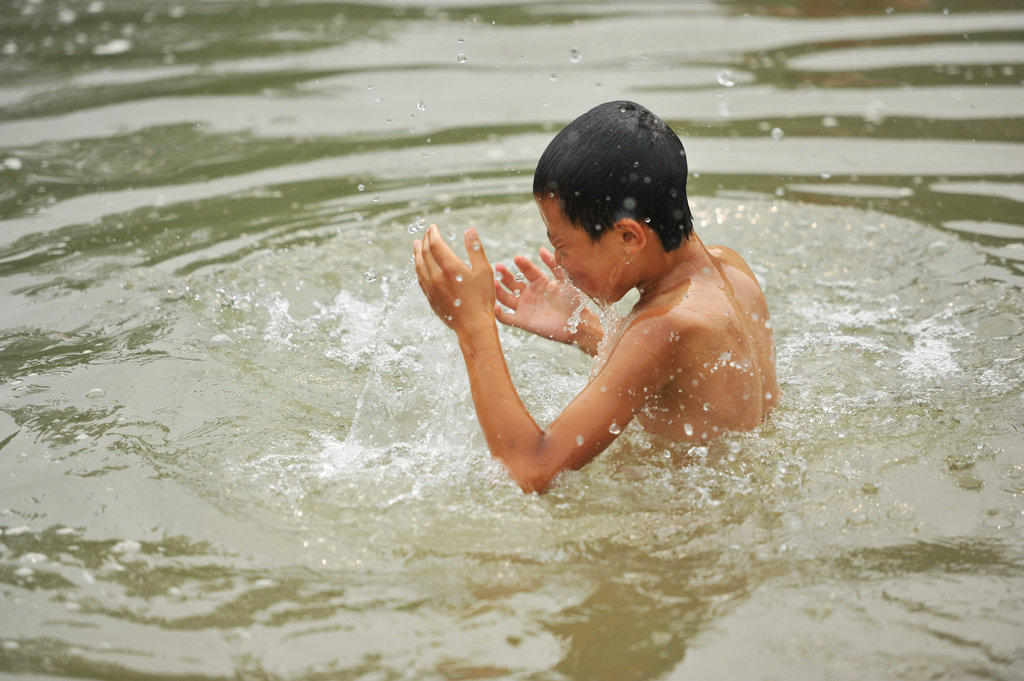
(534, 477)
(534, 483)
(534, 469)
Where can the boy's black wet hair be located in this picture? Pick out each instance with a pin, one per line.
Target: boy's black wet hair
(617, 161)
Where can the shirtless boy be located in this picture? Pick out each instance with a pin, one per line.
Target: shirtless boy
(694, 357)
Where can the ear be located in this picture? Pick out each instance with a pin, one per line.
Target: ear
(631, 235)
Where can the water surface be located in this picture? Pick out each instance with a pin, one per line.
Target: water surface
(234, 442)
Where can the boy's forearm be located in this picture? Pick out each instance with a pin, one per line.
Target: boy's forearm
(511, 433)
(589, 333)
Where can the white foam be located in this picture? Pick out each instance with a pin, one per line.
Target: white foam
(932, 356)
(126, 547)
(281, 326)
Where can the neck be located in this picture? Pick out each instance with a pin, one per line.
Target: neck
(673, 269)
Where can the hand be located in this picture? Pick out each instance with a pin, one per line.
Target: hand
(540, 304)
(461, 295)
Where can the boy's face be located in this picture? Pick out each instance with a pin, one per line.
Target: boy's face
(592, 266)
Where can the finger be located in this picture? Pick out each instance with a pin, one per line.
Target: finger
(422, 274)
(417, 256)
(506, 297)
(526, 266)
(507, 279)
(504, 315)
(430, 267)
(475, 249)
(549, 260)
(442, 252)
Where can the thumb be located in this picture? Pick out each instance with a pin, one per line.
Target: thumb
(475, 250)
(504, 315)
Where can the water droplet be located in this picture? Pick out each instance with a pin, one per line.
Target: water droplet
(376, 198)
(629, 203)
(706, 406)
(579, 440)
(575, 56)
(116, 46)
(457, 302)
(734, 447)
(458, 278)
(421, 105)
(726, 78)
(461, 58)
(830, 122)
(688, 429)
(553, 77)
(96, 393)
(614, 429)
(826, 176)
(67, 16)
(777, 134)
(360, 187)
(723, 110)
(768, 396)
(12, 163)
(370, 275)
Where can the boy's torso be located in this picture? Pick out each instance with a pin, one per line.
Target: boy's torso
(721, 374)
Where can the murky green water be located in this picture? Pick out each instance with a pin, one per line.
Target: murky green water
(234, 443)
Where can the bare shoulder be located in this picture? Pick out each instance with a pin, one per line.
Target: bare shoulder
(686, 320)
(745, 283)
(731, 258)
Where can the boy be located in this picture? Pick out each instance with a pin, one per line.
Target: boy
(693, 358)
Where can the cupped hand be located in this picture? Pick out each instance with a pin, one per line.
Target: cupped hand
(461, 295)
(536, 302)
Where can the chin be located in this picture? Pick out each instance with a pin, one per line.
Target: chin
(590, 293)
(603, 299)
(608, 297)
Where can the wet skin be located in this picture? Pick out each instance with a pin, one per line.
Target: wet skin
(694, 358)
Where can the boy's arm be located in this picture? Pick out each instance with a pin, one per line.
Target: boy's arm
(588, 425)
(589, 333)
